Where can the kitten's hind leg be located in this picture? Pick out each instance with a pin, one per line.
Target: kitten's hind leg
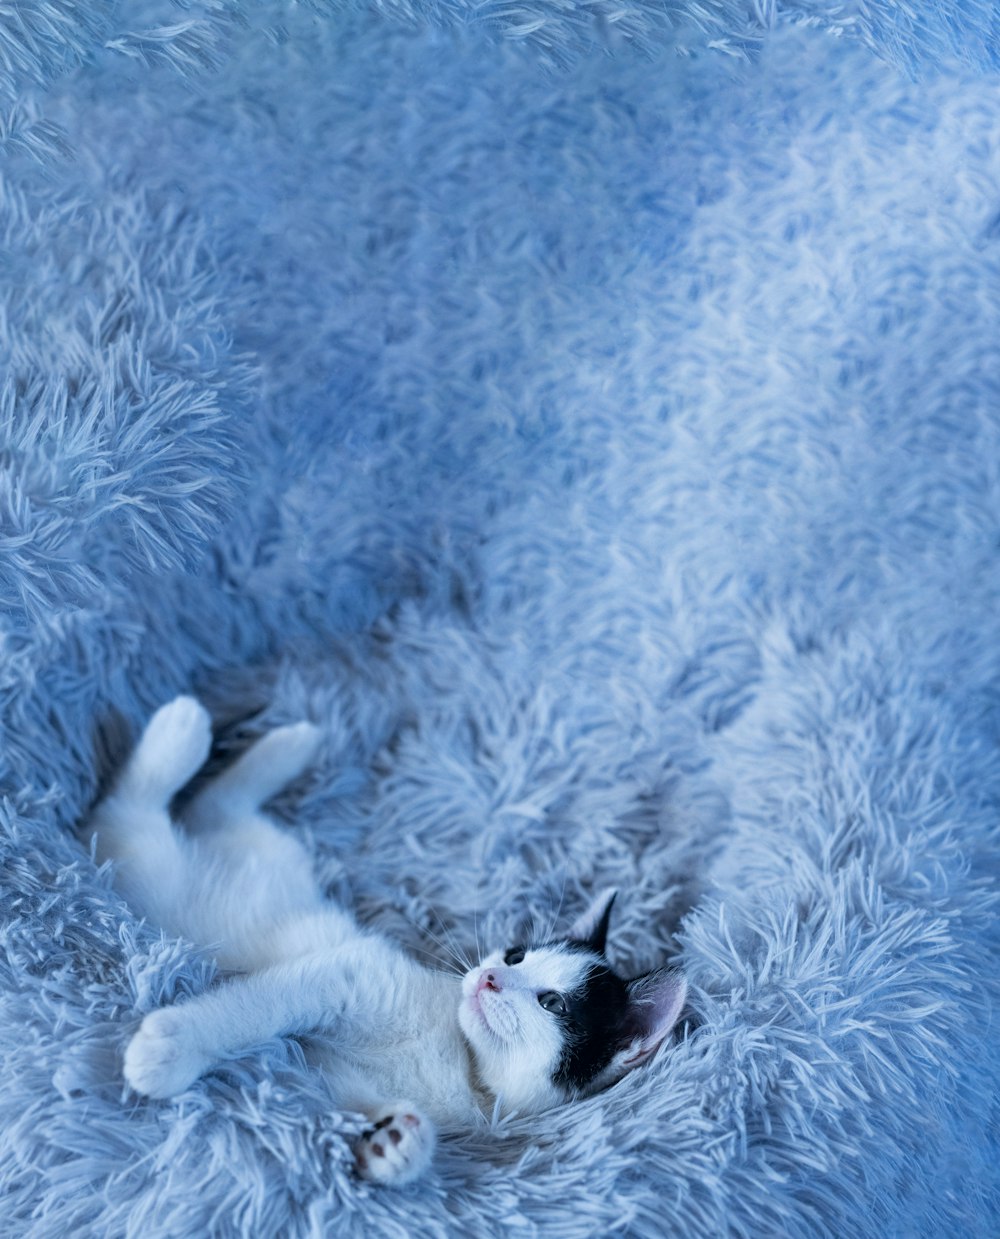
(171, 750)
(260, 773)
(267, 871)
(132, 823)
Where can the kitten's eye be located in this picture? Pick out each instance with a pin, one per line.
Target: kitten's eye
(514, 955)
(552, 1001)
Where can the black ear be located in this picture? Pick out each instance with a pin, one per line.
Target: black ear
(591, 926)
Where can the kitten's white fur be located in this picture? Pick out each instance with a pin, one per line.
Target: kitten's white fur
(384, 1025)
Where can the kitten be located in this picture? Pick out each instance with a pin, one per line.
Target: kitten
(411, 1047)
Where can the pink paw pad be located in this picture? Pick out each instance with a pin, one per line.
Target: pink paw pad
(396, 1149)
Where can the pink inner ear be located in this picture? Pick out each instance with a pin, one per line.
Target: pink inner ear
(655, 1003)
(640, 1055)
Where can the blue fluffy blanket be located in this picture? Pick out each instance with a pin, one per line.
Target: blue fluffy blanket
(605, 451)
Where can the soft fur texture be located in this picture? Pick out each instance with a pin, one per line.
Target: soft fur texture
(606, 460)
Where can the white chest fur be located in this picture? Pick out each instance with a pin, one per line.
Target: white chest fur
(405, 1042)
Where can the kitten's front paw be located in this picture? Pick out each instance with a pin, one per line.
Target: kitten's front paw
(162, 1058)
(399, 1147)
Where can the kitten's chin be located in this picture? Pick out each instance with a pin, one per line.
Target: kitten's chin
(517, 1083)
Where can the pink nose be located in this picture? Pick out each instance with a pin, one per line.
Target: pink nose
(487, 981)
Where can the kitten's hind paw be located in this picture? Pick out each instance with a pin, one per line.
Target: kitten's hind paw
(279, 757)
(398, 1148)
(261, 772)
(163, 1059)
(171, 751)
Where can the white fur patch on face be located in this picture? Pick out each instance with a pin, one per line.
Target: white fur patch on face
(516, 1041)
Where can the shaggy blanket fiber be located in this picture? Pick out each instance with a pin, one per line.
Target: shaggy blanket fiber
(589, 414)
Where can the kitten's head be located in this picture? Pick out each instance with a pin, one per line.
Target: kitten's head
(553, 1021)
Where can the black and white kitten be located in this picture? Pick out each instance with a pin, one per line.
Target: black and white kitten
(411, 1047)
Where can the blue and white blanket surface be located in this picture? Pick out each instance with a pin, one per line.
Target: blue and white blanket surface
(589, 414)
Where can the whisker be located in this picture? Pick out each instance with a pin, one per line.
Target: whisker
(562, 900)
(457, 959)
(461, 955)
(475, 930)
(553, 919)
(446, 965)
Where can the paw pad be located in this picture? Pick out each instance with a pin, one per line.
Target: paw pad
(396, 1149)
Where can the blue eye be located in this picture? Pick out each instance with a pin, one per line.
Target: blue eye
(514, 955)
(551, 1001)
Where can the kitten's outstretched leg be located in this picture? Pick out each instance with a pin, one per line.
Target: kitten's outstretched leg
(260, 773)
(269, 878)
(133, 821)
(176, 1045)
(172, 749)
(398, 1148)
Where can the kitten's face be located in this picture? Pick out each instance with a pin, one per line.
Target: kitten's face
(543, 1021)
(553, 1021)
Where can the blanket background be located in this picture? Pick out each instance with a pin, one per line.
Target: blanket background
(605, 451)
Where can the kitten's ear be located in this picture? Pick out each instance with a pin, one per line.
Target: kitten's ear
(591, 926)
(655, 1001)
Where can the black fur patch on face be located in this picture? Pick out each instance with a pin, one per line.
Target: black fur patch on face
(592, 1026)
